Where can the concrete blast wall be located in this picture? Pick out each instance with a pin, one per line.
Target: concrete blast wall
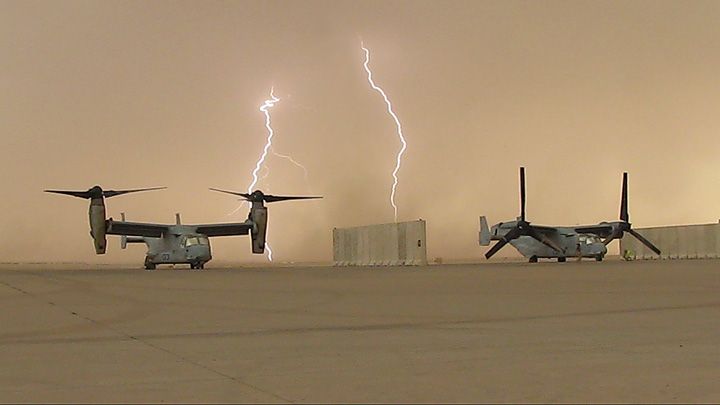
(676, 242)
(395, 244)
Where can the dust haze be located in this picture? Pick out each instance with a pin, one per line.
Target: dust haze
(139, 94)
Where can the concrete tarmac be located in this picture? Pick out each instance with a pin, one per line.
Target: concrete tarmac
(547, 332)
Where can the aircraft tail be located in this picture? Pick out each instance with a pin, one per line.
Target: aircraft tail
(484, 232)
(124, 240)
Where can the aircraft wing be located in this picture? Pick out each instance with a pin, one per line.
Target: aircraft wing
(602, 231)
(547, 230)
(135, 229)
(226, 229)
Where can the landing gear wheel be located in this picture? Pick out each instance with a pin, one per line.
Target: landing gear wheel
(561, 260)
(197, 266)
(533, 259)
(599, 258)
(149, 265)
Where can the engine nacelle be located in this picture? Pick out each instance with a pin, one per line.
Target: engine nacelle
(97, 225)
(259, 217)
(96, 213)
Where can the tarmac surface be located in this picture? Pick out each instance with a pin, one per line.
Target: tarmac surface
(548, 332)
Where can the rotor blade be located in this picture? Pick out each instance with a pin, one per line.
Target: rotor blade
(113, 193)
(512, 234)
(275, 198)
(257, 194)
(232, 192)
(624, 215)
(522, 193)
(499, 245)
(644, 241)
(542, 238)
(609, 239)
(79, 194)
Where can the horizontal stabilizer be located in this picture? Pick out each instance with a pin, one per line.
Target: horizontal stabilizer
(124, 240)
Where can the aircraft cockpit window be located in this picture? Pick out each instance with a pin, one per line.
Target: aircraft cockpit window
(191, 241)
(588, 239)
(204, 241)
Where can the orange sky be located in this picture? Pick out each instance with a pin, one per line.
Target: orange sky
(135, 94)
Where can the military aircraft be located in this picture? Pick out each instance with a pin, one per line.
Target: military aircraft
(560, 242)
(178, 243)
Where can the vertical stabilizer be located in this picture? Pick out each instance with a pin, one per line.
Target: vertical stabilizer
(484, 232)
(123, 238)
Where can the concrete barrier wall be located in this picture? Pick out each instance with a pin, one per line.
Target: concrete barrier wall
(676, 242)
(395, 244)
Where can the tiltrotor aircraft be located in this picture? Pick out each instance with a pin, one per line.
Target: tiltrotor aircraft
(179, 243)
(559, 242)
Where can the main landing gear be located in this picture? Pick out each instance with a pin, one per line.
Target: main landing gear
(534, 259)
(149, 265)
(197, 265)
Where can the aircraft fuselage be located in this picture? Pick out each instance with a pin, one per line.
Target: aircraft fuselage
(181, 246)
(573, 244)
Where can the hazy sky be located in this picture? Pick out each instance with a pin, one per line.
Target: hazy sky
(149, 93)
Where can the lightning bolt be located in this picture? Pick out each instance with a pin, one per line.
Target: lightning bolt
(261, 164)
(269, 103)
(295, 162)
(397, 123)
(262, 171)
(265, 108)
